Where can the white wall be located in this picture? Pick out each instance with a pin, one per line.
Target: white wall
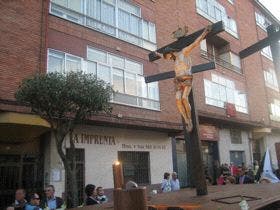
(55, 166)
(99, 157)
(269, 142)
(225, 146)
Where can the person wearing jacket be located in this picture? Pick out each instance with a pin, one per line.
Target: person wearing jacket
(51, 201)
(34, 203)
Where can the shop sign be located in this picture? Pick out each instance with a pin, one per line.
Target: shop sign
(144, 146)
(94, 139)
(208, 133)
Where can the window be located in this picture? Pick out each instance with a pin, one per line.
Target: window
(267, 52)
(271, 79)
(76, 5)
(218, 50)
(104, 73)
(69, 9)
(214, 12)
(117, 18)
(118, 80)
(221, 90)
(262, 21)
(63, 62)
(136, 166)
(73, 63)
(235, 136)
(203, 45)
(126, 77)
(235, 60)
(56, 61)
(275, 110)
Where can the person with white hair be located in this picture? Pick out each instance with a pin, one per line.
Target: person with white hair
(175, 184)
(131, 185)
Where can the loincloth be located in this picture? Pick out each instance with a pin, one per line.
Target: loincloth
(182, 82)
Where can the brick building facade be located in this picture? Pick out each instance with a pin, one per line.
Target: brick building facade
(238, 103)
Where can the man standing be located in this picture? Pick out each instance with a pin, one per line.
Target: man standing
(20, 201)
(175, 184)
(243, 178)
(51, 201)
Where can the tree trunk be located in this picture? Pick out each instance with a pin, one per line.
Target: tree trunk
(72, 189)
(69, 162)
(72, 174)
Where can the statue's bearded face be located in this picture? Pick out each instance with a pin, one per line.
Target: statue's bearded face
(170, 56)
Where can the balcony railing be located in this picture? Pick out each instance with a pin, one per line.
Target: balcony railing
(137, 101)
(220, 61)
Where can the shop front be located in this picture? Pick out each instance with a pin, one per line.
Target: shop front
(145, 156)
(209, 137)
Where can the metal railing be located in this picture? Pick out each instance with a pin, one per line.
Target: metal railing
(220, 61)
(137, 101)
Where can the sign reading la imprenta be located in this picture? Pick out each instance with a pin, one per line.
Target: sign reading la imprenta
(94, 139)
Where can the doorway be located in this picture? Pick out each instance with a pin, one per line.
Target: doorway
(19, 171)
(210, 156)
(237, 157)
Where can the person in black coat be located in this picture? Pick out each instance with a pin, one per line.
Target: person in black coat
(243, 178)
(91, 194)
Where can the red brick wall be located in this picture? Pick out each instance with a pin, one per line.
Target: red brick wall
(22, 43)
(22, 26)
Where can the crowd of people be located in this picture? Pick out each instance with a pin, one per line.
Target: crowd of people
(223, 175)
(33, 201)
(232, 174)
(226, 174)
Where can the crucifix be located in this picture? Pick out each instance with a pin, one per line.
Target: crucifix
(272, 40)
(179, 52)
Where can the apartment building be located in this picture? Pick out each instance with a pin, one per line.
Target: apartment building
(238, 103)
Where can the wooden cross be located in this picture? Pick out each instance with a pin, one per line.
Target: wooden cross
(193, 144)
(271, 40)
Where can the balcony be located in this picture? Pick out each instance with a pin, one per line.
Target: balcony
(220, 61)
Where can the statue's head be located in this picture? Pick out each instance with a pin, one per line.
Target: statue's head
(169, 56)
(168, 53)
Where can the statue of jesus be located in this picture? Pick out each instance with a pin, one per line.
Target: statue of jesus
(183, 76)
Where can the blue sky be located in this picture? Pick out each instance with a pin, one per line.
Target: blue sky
(273, 6)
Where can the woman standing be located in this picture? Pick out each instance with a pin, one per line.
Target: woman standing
(166, 185)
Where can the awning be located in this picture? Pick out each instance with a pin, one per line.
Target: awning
(22, 119)
(16, 127)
